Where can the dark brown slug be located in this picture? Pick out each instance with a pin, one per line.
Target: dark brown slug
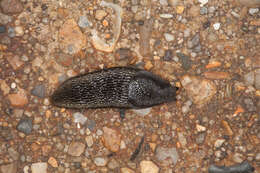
(118, 87)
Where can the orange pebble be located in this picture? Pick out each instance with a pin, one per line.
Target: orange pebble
(213, 64)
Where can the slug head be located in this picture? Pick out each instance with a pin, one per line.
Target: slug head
(146, 90)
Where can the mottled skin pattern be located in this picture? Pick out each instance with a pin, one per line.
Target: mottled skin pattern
(118, 87)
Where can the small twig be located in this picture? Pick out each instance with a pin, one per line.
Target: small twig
(137, 150)
(243, 167)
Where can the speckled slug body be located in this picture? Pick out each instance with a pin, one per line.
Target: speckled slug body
(118, 87)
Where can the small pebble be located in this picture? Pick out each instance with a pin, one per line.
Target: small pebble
(113, 164)
(100, 14)
(11, 32)
(2, 29)
(238, 158)
(19, 31)
(40, 167)
(84, 22)
(203, 10)
(200, 128)
(166, 16)
(39, 91)
(76, 148)
(100, 161)
(25, 126)
(200, 138)
(253, 11)
(89, 141)
(167, 155)
(13, 85)
(203, 2)
(148, 167)
(164, 2)
(167, 55)
(216, 26)
(9, 168)
(219, 143)
(126, 170)
(142, 112)
(168, 37)
(79, 118)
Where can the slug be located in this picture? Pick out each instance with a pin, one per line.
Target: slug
(118, 87)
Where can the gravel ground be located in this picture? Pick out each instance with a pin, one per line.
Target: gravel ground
(209, 48)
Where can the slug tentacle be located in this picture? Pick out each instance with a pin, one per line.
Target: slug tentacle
(118, 87)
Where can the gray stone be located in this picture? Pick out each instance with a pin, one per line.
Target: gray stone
(195, 41)
(185, 61)
(168, 55)
(25, 126)
(91, 124)
(11, 32)
(39, 91)
(79, 118)
(2, 29)
(203, 10)
(84, 22)
(168, 156)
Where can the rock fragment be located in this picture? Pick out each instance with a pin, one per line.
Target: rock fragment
(148, 167)
(11, 6)
(126, 170)
(168, 156)
(9, 168)
(71, 38)
(199, 90)
(39, 91)
(100, 161)
(112, 139)
(25, 126)
(19, 99)
(76, 148)
(39, 167)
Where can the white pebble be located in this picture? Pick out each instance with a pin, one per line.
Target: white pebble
(166, 16)
(200, 128)
(203, 2)
(168, 37)
(79, 118)
(19, 31)
(163, 2)
(13, 85)
(253, 11)
(216, 26)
